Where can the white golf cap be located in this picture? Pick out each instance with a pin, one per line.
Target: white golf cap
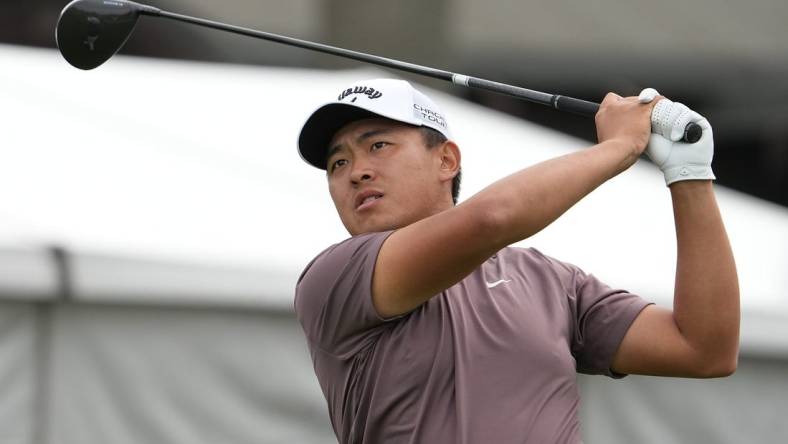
(389, 98)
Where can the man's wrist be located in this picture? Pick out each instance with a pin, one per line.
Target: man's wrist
(626, 153)
(691, 186)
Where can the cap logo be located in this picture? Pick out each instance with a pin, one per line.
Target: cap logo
(370, 92)
(428, 114)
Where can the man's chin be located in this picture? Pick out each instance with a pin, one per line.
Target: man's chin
(372, 226)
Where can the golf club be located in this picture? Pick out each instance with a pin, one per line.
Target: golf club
(89, 32)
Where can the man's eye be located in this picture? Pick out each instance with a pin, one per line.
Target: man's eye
(379, 145)
(338, 163)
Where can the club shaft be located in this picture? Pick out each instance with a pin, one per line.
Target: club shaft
(692, 132)
(382, 61)
(558, 102)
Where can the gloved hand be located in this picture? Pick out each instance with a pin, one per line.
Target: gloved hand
(678, 160)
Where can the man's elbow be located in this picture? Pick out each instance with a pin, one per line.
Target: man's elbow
(720, 367)
(491, 221)
(500, 222)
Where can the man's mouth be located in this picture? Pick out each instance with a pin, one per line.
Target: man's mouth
(370, 199)
(367, 199)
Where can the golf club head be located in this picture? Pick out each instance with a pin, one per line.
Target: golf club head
(89, 32)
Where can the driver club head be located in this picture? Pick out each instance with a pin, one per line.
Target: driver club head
(89, 32)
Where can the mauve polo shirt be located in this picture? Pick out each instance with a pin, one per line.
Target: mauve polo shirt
(493, 359)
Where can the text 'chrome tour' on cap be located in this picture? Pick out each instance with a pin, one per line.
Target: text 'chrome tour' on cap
(389, 98)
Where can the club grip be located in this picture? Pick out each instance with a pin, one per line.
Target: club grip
(576, 106)
(692, 132)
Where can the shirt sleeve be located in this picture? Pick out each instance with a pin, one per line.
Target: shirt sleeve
(333, 298)
(602, 316)
(599, 318)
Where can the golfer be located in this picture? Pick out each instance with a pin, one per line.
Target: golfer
(426, 327)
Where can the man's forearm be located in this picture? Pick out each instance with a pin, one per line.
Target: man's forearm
(706, 297)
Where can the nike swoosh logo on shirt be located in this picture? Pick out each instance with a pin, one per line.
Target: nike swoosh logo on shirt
(496, 283)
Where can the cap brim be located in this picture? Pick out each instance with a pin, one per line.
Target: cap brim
(321, 126)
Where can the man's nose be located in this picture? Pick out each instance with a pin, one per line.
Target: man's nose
(362, 171)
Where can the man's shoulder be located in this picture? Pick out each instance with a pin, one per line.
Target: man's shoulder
(341, 253)
(332, 300)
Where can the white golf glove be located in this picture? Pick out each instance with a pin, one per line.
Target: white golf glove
(678, 160)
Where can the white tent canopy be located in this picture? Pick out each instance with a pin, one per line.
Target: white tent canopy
(168, 201)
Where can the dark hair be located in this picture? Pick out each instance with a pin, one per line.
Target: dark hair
(433, 138)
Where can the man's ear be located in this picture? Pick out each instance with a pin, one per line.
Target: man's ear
(450, 159)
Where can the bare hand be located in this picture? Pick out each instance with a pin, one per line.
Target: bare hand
(626, 120)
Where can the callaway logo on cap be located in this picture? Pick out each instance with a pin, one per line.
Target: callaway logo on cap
(389, 98)
(372, 93)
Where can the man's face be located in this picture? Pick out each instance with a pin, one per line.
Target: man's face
(381, 176)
